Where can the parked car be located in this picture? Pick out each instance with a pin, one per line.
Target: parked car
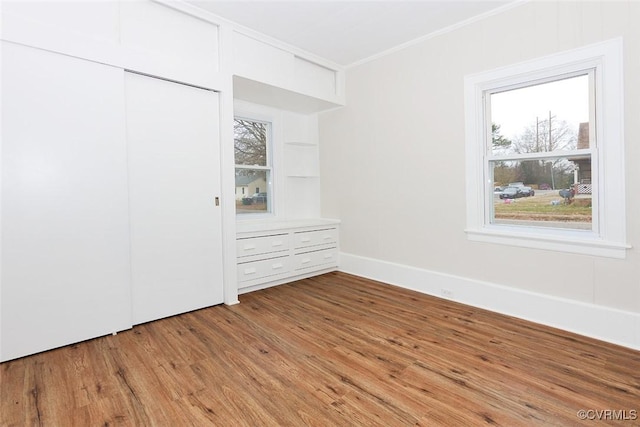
(510, 193)
(526, 191)
(259, 198)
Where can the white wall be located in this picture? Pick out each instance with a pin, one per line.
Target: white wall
(403, 131)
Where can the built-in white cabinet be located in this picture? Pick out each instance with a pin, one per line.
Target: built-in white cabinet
(110, 196)
(65, 265)
(145, 36)
(268, 74)
(88, 30)
(260, 61)
(165, 42)
(275, 252)
(116, 135)
(109, 214)
(180, 42)
(315, 79)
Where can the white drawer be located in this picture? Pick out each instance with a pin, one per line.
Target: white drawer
(262, 245)
(324, 258)
(305, 239)
(259, 269)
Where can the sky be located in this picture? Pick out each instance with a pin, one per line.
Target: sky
(517, 109)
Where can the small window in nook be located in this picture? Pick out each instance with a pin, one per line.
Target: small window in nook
(252, 165)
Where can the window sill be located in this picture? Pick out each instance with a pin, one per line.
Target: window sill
(583, 243)
(254, 216)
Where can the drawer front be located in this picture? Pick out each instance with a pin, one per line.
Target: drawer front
(261, 269)
(262, 245)
(315, 238)
(323, 259)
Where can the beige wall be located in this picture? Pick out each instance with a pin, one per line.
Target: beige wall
(404, 123)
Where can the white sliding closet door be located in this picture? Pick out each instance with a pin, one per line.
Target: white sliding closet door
(174, 177)
(65, 272)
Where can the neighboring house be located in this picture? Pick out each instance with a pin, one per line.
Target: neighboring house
(247, 186)
(582, 180)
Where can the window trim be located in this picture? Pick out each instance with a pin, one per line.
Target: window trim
(608, 237)
(269, 167)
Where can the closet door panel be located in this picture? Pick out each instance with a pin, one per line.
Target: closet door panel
(176, 243)
(65, 235)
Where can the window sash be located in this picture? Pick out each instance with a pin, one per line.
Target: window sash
(541, 155)
(267, 168)
(267, 143)
(490, 157)
(259, 168)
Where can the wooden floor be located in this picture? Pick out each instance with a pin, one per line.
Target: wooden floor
(335, 350)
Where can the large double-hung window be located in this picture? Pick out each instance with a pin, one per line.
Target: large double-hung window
(544, 142)
(539, 155)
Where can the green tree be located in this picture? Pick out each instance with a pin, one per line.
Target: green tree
(497, 139)
(250, 138)
(502, 173)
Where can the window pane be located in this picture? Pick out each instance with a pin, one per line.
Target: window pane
(250, 139)
(540, 118)
(544, 193)
(248, 200)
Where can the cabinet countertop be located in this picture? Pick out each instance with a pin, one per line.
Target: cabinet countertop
(252, 226)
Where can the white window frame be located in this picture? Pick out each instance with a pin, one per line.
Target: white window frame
(269, 168)
(608, 236)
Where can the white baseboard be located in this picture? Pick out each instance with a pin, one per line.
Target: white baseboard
(603, 323)
(282, 280)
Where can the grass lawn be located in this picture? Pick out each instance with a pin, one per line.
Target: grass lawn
(540, 208)
(254, 207)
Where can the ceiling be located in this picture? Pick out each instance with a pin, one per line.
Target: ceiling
(348, 32)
